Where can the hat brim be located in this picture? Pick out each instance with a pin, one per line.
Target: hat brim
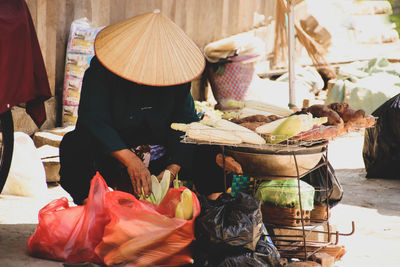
(149, 49)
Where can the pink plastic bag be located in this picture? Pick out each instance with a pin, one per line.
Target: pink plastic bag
(70, 234)
(142, 234)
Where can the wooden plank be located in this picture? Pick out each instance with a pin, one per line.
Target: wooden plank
(225, 19)
(270, 9)
(117, 11)
(100, 12)
(140, 6)
(244, 15)
(51, 30)
(154, 4)
(32, 6)
(233, 18)
(201, 14)
(191, 20)
(82, 9)
(180, 17)
(215, 21)
(63, 23)
(168, 8)
(41, 31)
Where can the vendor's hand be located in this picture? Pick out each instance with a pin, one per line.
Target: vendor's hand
(231, 165)
(137, 171)
(140, 177)
(173, 169)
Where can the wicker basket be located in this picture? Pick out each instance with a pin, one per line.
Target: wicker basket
(230, 80)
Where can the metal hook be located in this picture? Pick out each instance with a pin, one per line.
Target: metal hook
(353, 228)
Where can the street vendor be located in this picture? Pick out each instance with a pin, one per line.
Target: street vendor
(136, 86)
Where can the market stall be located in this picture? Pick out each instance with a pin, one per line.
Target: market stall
(291, 148)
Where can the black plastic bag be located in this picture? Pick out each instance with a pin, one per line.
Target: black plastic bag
(266, 255)
(229, 222)
(228, 233)
(317, 179)
(381, 151)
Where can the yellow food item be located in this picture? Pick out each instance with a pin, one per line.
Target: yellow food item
(179, 126)
(187, 204)
(269, 127)
(179, 213)
(164, 184)
(290, 127)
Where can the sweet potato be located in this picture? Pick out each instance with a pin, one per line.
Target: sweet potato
(231, 165)
(253, 118)
(347, 113)
(256, 118)
(324, 111)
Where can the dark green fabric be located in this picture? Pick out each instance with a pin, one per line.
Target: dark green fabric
(121, 114)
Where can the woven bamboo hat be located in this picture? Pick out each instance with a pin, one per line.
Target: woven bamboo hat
(149, 49)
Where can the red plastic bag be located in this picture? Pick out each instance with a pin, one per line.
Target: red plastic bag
(142, 234)
(70, 234)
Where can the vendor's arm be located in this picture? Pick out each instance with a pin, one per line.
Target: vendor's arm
(137, 171)
(181, 154)
(94, 115)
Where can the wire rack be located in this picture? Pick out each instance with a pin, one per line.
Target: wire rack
(284, 143)
(292, 245)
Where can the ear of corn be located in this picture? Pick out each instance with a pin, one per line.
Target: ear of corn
(269, 127)
(290, 127)
(320, 121)
(199, 131)
(179, 126)
(156, 188)
(187, 204)
(231, 103)
(184, 209)
(179, 211)
(243, 133)
(164, 184)
(159, 189)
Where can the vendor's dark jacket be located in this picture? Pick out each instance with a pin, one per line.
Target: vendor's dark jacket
(122, 114)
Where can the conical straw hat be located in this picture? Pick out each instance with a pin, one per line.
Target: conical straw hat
(149, 49)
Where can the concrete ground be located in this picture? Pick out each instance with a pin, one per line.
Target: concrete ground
(373, 204)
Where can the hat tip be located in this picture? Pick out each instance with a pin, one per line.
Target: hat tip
(156, 11)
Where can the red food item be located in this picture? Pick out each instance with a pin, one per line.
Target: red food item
(321, 132)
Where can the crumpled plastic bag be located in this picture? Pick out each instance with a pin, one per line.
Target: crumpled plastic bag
(265, 255)
(229, 222)
(71, 234)
(333, 190)
(29, 181)
(285, 194)
(229, 231)
(115, 228)
(381, 151)
(142, 234)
